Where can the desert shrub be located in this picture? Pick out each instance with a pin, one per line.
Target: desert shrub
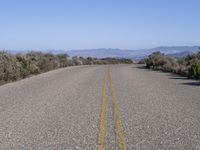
(127, 61)
(14, 67)
(170, 65)
(194, 69)
(9, 68)
(110, 60)
(142, 61)
(33, 69)
(24, 65)
(159, 61)
(49, 62)
(43, 61)
(62, 58)
(70, 62)
(89, 61)
(187, 66)
(76, 61)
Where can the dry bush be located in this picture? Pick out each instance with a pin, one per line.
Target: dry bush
(187, 66)
(9, 68)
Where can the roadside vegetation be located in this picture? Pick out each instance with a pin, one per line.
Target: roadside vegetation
(19, 66)
(186, 66)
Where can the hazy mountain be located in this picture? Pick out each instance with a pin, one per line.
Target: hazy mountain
(176, 51)
(181, 54)
(134, 54)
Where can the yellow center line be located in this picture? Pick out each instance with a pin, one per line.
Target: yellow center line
(102, 120)
(117, 115)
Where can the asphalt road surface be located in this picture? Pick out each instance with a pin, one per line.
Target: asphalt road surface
(113, 107)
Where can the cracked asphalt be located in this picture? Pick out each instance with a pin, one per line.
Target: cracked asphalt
(60, 110)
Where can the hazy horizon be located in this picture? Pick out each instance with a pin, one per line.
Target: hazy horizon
(114, 48)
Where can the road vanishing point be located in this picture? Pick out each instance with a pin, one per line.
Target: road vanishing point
(100, 107)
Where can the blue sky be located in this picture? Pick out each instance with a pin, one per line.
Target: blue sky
(81, 24)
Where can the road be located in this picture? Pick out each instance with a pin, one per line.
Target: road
(100, 107)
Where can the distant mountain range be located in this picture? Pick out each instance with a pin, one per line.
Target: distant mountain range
(176, 51)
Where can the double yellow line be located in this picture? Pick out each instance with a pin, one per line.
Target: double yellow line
(117, 116)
